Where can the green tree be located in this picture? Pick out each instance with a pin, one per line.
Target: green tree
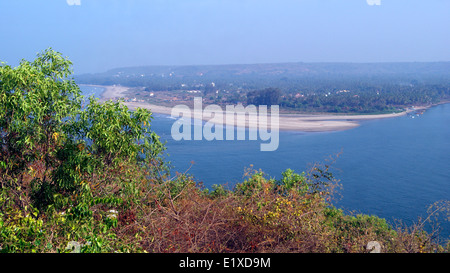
(36, 105)
(60, 156)
(268, 96)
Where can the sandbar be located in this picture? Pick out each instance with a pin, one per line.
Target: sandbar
(287, 122)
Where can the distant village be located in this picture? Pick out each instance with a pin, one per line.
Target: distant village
(213, 96)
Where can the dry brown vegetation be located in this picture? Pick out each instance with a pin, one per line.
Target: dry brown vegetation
(264, 215)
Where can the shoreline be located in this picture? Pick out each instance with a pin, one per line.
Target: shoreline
(287, 122)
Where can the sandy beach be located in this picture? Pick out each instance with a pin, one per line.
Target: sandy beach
(287, 122)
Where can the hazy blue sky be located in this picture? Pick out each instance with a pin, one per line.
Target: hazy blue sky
(101, 34)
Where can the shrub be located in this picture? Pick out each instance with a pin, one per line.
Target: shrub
(65, 163)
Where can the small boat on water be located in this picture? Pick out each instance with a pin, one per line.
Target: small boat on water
(416, 113)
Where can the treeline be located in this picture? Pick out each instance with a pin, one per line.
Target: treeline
(369, 100)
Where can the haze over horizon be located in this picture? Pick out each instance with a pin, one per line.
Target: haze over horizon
(101, 35)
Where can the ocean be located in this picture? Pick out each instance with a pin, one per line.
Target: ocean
(393, 168)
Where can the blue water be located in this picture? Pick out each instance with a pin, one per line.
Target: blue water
(88, 91)
(393, 168)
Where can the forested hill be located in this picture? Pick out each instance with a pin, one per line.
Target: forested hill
(247, 73)
(306, 87)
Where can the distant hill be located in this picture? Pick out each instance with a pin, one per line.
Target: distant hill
(306, 87)
(139, 76)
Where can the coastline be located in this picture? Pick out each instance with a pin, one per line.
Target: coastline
(287, 122)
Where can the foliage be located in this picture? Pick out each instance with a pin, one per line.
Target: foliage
(267, 96)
